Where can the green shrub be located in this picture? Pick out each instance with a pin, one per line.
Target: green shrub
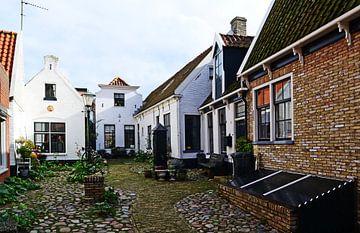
(88, 165)
(243, 145)
(143, 156)
(13, 187)
(107, 206)
(20, 215)
(26, 148)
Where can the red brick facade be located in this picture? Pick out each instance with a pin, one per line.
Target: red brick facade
(326, 114)
(4, 103)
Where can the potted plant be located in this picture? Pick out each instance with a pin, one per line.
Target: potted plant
(243, 159)
(25, 150)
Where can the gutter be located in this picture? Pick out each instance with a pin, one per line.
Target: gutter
(223, 97)
(327, 27)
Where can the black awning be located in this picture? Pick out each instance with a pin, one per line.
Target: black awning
(290, 189)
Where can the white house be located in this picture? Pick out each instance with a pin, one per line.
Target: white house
(175, 105)
(223, 121)
(116, 104)
(54, 110)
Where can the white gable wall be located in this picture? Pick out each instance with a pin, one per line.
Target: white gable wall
(68, 108)
(189, 95)
(107, 113)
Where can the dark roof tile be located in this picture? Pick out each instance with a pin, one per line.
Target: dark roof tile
(289, 21)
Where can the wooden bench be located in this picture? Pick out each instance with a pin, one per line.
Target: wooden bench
(214, 164)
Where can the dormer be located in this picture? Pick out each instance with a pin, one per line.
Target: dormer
(50, 62)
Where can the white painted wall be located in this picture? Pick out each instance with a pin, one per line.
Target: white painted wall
(107, 113)
(68, 108)
(188, 96)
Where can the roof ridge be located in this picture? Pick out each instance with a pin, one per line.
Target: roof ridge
(178, 78)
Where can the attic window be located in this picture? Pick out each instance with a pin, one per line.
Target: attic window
(50, 91)
(50, 66)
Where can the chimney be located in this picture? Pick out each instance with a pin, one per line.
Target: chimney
(50, 62)
(238, 26)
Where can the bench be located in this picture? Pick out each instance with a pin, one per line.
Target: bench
(214, 164)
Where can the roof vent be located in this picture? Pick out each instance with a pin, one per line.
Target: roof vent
(238, 26)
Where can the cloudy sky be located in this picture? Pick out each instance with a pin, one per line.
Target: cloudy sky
(143, 41)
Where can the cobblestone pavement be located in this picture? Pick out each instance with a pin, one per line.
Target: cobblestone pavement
(207, 212)
(65, 210)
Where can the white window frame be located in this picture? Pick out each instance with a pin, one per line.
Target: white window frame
(270, 84)
(3, 166)
(50, 133)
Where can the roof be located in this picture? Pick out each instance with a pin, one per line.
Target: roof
(117, 81)
(236, 41)
(289, 20)
(7, 50)
(168, 88)
(208, 100)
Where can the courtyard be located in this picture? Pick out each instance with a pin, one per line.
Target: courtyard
(145, 205)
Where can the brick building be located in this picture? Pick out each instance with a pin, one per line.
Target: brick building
(302, 73)
(7, 50)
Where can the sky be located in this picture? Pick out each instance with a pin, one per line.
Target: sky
(144, 42)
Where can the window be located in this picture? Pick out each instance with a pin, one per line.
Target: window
(50, 91)
(3, 163)
(119, 99)
(218, 73)
(192, 132)
(222, 130)
(168, 131)
(274, 111)
(109, 136)
(49, 137)
(149, 137)
(240, 119)
(263, 111)
(283, 111)
(210, 132)
(129, 135)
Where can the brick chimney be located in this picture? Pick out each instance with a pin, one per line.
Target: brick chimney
(238, 26)
(50, 62)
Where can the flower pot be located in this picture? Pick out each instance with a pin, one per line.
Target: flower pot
(161, 175)
(24, 172)
(148, 174)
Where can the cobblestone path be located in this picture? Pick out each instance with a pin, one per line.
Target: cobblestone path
(65, 210)
(207, 212)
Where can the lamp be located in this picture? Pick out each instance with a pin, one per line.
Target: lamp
(88, 99)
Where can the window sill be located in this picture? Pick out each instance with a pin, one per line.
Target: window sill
(3, 170)
(50, 98)
(54, 154)
(192, 151)
(282, 142)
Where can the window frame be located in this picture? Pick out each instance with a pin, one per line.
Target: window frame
(238, 119)
(273, 139)
(210, 131)
(222, 140)
(3, 153)
(129, 132)
(119, 101)
(167, 125)
(187, 134)
(50, 97)
(50, 133)
(218, 72)
(112, 134)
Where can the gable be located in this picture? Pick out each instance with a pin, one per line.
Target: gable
(168, 88)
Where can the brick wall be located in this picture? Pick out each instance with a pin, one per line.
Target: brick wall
(277, 216)
(326, 106)
(94, 187)
(4, 102)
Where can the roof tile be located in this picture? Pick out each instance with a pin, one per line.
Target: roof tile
(236, 41)
(289, 21)
(7, 50)
(117, 81)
